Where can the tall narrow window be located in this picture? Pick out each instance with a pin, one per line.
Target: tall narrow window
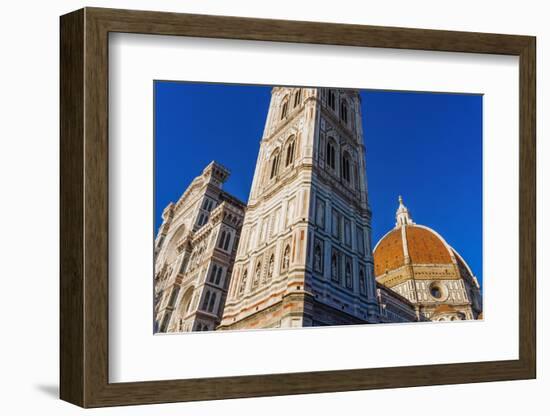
(222, 240)
(331, 99)
(227, 240)
(274, 166)
(205, 301)
(347, 232)
(212, 303)
(320, 213)
(335, 228)
(270, 267)
(213, 273)
(243, 282)
(318, 256)
(218, 276)
(286, 258)
(284, 110)
(257, 274)
(349, 279)
(335, 266)
(297, 97)
(360, 241)
(331, 154)
(346, 170)
(362, 282)
(290, 152)
(344, 111)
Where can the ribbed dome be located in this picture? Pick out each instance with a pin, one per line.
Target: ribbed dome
(416, 262)
(422, 245)
(413, 244)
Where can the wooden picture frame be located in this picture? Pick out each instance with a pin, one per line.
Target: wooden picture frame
(84, 207)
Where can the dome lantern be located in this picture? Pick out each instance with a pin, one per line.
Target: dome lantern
(402, 215)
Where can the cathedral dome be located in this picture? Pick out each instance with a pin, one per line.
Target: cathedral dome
(422, 245)
(417, 263)
(412, 244)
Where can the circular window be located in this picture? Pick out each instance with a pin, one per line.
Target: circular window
(436, 291)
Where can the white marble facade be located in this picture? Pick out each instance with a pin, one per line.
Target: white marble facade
(194, 253)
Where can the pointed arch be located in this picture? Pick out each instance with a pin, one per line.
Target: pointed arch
(205, 301)
(213, 273)
(331, 99)
(335, 266)
(227, 241)
(330, 154)
(222, 239)
(257, 273)
(274, 164)
(218, 276)
(284, 107)
(297, 97)
(344, 111)
(270, 267)
(290, 145)
(346, 166)
(243, 282)
(286, 258)
(362, 281)
(212, 302)
(318, 256)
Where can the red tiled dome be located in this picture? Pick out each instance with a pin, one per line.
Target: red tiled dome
(424, 247)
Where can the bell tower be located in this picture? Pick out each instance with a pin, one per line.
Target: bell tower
(304, 257)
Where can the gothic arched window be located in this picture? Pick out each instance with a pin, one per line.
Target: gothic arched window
(362, 283)
(349, 281)
(297, 97)
(213, 273)
(227, 240)
(318, 257)
(344, 111)
(284, 109)
(212, 303)
(346, 169)
(270, 267)
(331, 153)
(331, 99)
(257, 274)
(274, 165)
(205, 301)
(222, 240)
(243, 282)
(290, 151)
(286, 258)
(335, 267)
(218, 276)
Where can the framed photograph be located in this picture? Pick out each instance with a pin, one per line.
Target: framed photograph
(256, 207)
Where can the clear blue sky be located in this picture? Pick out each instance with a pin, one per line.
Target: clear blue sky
(426, 147)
